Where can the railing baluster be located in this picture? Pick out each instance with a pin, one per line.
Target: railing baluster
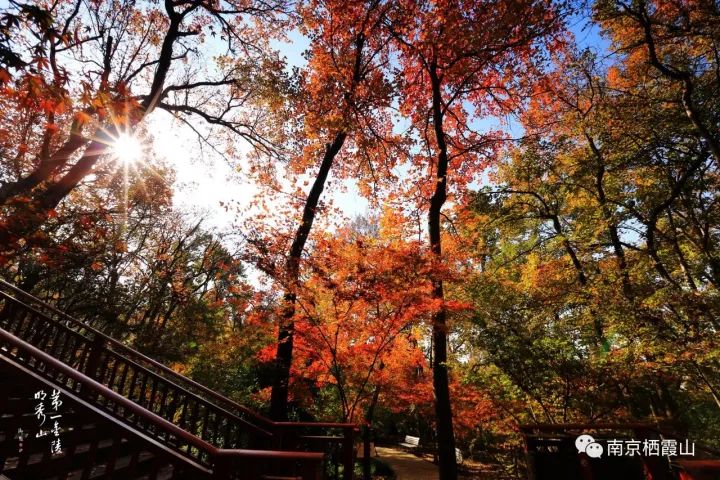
(25, 327)
(83, 351)
(51, 335)
(143, 388)
(121, 386)
(226, 434)
(131, 383)
(113, 372)
(153, 391)
(58, 341)
(103, 368)
(163, 398)
(67, 349)
(36, 332)
(181, 422)
(92, 364)
(17, 326)
(194, 418)
(186, 405)
(234, 436)
(73, 351)
(205, 420)
(212, 427)
(18, 321)
(43, 336)
(173, 407)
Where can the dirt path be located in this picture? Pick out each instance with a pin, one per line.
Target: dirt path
(406, 465)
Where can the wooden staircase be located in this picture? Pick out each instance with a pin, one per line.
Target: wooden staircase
(126, 416)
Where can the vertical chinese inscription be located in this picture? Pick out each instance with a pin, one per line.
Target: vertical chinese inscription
(52, 416)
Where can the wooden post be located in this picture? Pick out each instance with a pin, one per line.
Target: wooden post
(658, 467)
(93, 362)
(310, 470)
(348, 453)
(366, 452)
(530, 453)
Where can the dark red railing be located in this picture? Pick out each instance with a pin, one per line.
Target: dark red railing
(551, 447)
(178, 400)
(203, 458)
(92, 440)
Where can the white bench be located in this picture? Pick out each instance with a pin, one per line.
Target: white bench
(458, 456)
(414, 442)
(410, 442)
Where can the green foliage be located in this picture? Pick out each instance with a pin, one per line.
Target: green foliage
(595, 296)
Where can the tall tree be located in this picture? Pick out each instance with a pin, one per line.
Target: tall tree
(342, 104)
(461, 61)
(618, 182)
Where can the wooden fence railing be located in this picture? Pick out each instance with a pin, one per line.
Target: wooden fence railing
(552, 453)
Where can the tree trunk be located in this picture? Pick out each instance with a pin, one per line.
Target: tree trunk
(284, 352)
(443, 409)
(283, 355)
(44, 170)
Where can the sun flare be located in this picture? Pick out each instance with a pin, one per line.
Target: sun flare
(127, 149)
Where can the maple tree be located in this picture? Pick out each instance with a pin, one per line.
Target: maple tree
(460, 62)
(355, 331)
(343, 97)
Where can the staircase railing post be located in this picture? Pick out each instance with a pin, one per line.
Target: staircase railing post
(366, 451)
(311, 470)
(658, 467)
(93, 361)
(278, 440)
(348, 453)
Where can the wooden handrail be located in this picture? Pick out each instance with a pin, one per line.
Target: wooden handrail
(269, 454)
(139, 367)
(164, 368)
(317, 424)
(599, 426)
(101, 389)
(107, 417)
(131, 351)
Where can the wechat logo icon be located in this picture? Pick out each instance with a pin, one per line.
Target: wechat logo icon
(586, 444)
